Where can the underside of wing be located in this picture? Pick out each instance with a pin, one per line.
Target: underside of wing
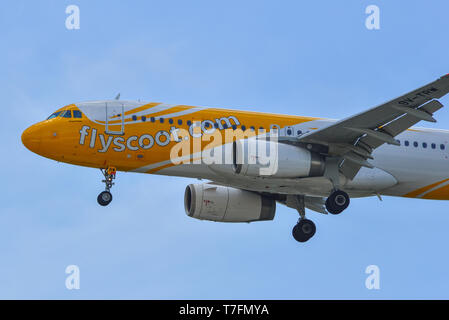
(352, 140)
(316, 204)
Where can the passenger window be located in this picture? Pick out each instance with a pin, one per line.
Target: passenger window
(77, 114)
(415, 144)
(161, 120)
(243, 128)
(442, 146)
(424, 145)
(180, 122)
(144, 118)
(67, 114)
(406, 143)
(170, 121)
(189, 123)
(134, 117)
(152, 119)
(433, 145)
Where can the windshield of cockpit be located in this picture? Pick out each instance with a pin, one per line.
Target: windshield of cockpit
(66, 114)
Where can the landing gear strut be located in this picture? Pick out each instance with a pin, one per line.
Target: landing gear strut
(105, 197)
(337, 202)
(305, 228)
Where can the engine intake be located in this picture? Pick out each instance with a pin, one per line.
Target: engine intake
(226, 204)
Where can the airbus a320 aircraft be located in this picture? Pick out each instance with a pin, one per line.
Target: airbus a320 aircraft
(319, 163)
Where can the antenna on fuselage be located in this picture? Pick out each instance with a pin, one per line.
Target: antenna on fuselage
(117, 97)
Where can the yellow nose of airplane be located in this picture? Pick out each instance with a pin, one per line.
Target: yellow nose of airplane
(31, 138)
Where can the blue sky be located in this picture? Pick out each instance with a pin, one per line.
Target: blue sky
(315, 58)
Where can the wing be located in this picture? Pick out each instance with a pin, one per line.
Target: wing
(353, 139)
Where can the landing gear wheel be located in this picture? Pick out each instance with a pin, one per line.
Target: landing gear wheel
(104, 198)
(337, 202)
(303, 230)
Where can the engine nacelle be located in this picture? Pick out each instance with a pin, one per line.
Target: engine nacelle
(225, 204)
(252, 157)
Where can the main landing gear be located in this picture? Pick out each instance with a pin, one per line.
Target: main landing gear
(305, 228)
(105, 197)
(337, 202)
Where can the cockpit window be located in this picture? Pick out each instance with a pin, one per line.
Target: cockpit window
(77, 114)
(67, 114)
(54, 115)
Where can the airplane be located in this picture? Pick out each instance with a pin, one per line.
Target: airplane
(316, 163)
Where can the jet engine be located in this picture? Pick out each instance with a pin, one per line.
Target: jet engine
(226, 204)
(260, 157)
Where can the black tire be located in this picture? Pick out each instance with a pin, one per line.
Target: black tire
(304, 230)
(104, 198)
(337, 202)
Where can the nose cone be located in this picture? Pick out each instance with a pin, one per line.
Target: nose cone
(31, 138)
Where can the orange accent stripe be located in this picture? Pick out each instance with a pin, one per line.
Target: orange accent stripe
(415, 130)
(138, 109)
(417, 192)
(156, 114)
(160, 168)
(438, 194)
(191, 161)
(168, 111)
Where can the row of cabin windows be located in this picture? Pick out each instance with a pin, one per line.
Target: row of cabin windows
(207, 125)
(423, 144)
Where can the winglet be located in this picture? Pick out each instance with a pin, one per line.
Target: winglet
(117, 97)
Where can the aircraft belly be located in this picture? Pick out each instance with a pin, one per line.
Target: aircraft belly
(365, 183)
(371, 180)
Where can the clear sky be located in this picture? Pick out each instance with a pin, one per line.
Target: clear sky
(312, 58)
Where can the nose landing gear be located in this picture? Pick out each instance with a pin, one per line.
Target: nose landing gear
(105, 197)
